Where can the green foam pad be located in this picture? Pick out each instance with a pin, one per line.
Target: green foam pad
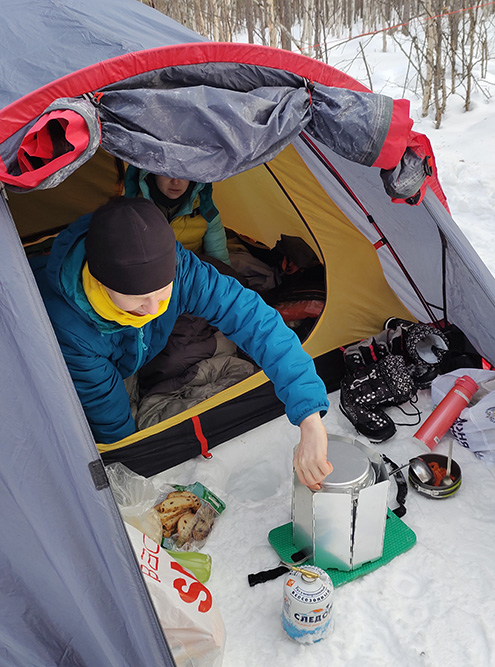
(398, 539)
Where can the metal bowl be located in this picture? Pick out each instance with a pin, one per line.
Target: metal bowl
(430, 490)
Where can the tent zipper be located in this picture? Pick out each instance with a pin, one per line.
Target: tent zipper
(141, 348)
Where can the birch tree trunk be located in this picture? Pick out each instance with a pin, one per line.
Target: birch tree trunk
(454, 45)
(439, 74)
(429, 55)
(471, 37)
(270, 22)
(307, 25)
(249, 20)
(286, 21)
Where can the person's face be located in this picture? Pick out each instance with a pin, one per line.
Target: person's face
(140, 304)
(172, 188)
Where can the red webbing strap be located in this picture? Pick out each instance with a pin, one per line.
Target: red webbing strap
(200, 436)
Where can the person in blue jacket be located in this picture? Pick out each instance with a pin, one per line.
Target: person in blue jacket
(114, 285)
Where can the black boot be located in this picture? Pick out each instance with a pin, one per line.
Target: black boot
(372, 349)
(364, 393)
(424, 348)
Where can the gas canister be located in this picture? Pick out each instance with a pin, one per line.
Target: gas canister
(308, 601)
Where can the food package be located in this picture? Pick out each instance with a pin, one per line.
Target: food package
(187, 515)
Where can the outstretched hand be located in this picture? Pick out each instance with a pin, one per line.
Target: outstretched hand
(310, 460)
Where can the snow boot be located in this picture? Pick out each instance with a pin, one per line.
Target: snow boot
(365, 393)
(372, 349)
(424, 348)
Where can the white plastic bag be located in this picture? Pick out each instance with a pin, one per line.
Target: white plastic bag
(189, 617)
(135, 495)
(474, 429)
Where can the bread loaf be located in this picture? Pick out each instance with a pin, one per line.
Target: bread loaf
(184, 528)
(178, 505)
(204, 523)
(183, 502)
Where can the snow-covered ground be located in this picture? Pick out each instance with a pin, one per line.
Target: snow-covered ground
(433, 605)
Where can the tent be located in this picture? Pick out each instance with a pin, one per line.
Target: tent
(293, 146)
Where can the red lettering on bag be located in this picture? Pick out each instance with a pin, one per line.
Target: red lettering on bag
(150, 573)
(149, 564)
(150, 559)
(194, 591)
(151, 542)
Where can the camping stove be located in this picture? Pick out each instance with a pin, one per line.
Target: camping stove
(343, 524)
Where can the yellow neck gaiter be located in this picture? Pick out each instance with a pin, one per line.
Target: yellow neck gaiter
(101, 302)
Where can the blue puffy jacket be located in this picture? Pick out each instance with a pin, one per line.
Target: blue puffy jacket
(100, 353)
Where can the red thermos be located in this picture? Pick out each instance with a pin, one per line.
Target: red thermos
(447, 411)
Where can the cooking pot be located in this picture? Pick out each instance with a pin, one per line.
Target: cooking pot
(343, 524)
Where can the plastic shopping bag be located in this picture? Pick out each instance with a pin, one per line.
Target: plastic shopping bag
(474, 429)
(135, 496)
(188, 615)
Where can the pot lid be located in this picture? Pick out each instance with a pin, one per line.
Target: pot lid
(351, 466)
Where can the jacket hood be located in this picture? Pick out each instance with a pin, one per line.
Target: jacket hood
(135, 185)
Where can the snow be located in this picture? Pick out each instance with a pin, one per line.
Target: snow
(434, 604)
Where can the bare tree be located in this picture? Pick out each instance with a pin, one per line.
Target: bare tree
(447, 46)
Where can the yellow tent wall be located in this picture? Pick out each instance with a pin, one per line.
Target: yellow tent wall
(359, 299)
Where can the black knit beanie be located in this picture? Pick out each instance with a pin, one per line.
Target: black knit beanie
(130, 247)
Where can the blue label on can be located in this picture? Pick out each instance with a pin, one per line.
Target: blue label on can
(307, 627)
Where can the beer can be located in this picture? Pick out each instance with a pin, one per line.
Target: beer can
(308, 601)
